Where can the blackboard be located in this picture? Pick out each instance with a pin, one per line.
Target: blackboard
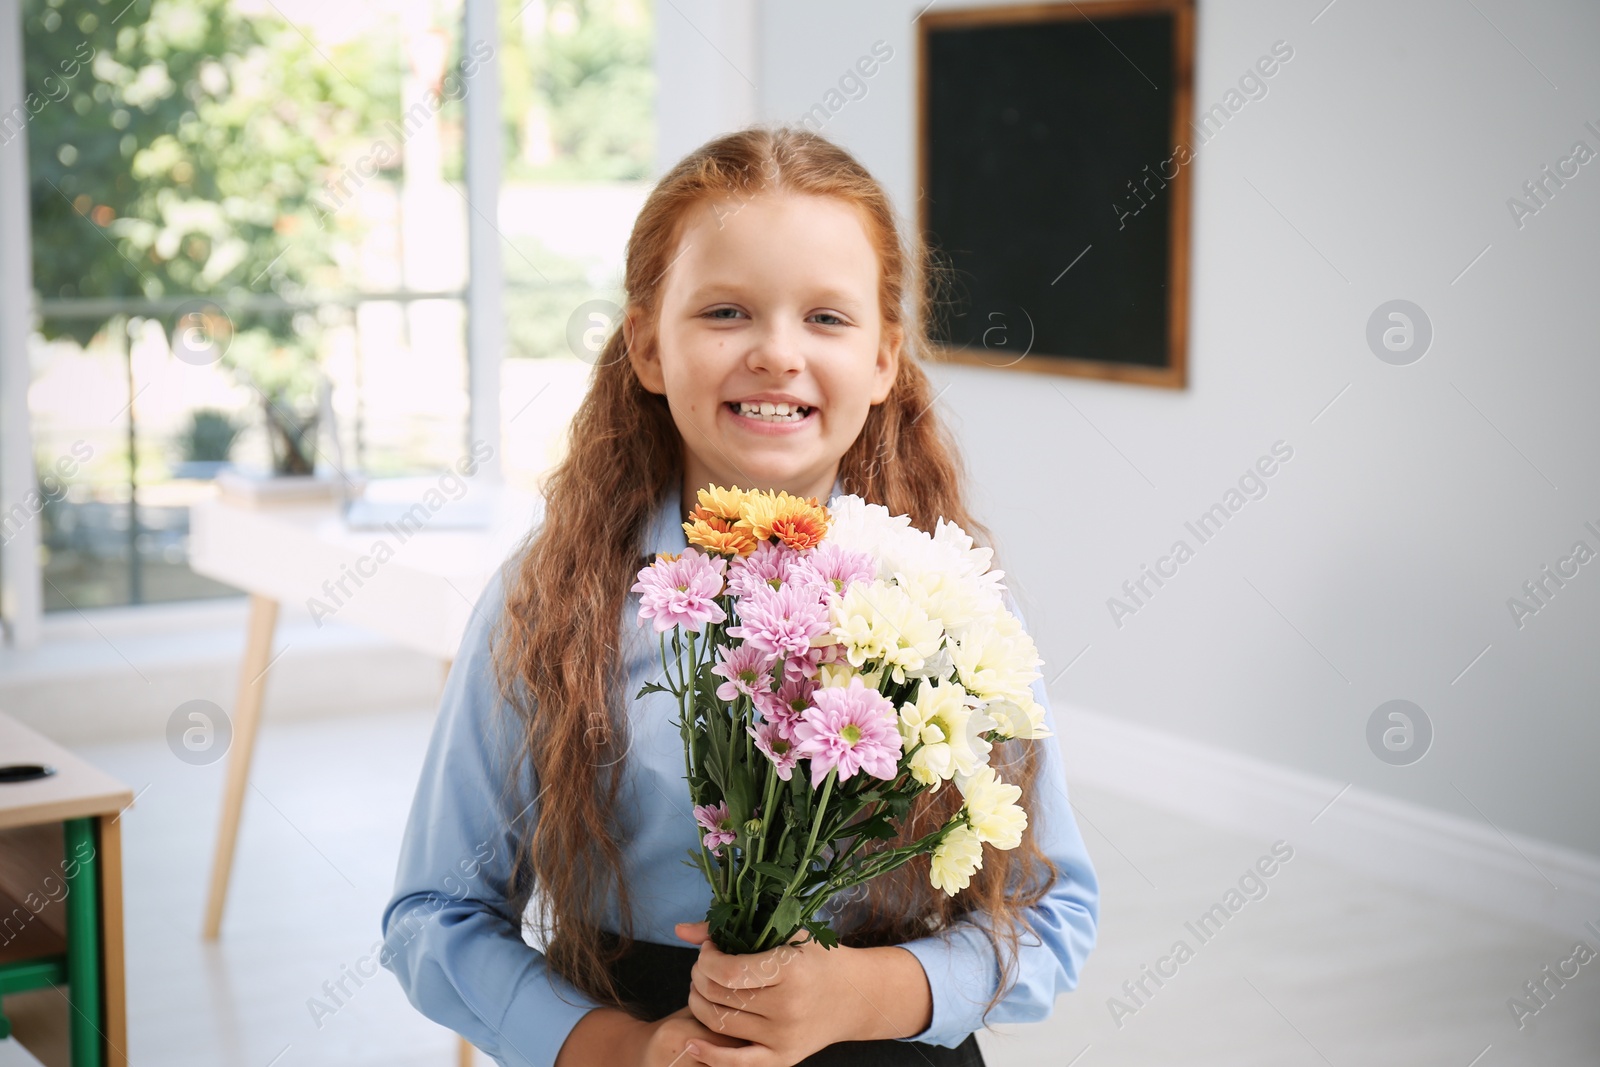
(1051, 184)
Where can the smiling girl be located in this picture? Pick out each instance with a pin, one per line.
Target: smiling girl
(772, 339)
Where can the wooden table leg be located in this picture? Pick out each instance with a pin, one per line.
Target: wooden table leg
(113, 972)
(246, 720)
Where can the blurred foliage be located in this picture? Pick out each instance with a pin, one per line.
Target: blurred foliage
(542, 289)
(210, 436)
(585, 79)
(178, 147)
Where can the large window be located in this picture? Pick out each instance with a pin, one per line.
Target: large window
(247, 214)
(579, 94)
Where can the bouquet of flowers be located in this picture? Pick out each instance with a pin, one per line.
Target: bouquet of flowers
(830, 664)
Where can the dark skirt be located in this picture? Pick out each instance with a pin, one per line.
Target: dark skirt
(656, 979)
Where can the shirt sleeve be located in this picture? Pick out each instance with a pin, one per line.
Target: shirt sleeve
(449, 934)
(963, 971)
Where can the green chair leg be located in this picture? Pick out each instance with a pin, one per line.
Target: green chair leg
(83, 943)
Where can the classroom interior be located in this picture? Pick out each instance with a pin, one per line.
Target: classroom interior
(1272, 385)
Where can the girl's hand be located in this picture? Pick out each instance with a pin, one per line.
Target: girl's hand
(787, 1002)
(665, 1039)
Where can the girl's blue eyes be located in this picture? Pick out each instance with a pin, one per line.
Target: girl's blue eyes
(837, 321)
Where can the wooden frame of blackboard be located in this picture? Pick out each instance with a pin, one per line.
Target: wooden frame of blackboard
(1174, 374)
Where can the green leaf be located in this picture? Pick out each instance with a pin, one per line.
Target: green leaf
(787, 917)
(720, 913)
(877, 828)
(773, 870)
(823, 934)
(738, 794)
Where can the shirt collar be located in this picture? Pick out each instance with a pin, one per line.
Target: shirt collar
(666, 532)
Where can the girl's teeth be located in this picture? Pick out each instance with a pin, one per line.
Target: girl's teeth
(771, 412)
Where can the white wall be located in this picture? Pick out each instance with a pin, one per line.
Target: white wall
(1380, 561)
(706, 73)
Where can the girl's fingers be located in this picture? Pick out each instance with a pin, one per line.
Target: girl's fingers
(724, 1020)
(728, 999)
(702, 1051)
(694, 933)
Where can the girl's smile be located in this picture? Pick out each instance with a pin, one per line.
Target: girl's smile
(768, 341)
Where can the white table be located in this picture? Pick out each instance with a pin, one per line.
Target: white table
(421, 597)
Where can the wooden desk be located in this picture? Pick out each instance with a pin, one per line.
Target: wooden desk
(421, 596)
(14, 1055)
(61, 891)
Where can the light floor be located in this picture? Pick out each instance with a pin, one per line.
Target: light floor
(1329, 968)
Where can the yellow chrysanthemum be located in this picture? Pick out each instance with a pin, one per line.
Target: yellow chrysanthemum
(992, 806)
(955, 859)
(720, 503)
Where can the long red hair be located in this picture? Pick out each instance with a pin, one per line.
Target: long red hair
(557, 650)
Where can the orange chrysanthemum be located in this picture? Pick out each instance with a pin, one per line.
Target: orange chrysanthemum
(719, 535)
(799, 522)
(803, 531)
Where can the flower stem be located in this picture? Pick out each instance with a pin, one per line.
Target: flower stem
(816, 824)
(805, 857)
(760, 846)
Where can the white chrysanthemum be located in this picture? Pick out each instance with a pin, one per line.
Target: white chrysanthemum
(1019, 717)
(945, 720)
(939, 665)
(955, 859)
(955, 600)
(888, 539)
(995, 665)
(878, 621)
(1006, 623)
(970, 562)
(992, 806)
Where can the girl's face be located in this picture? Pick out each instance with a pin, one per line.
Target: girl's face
(771, 299)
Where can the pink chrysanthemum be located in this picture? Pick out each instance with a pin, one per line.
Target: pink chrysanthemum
(808, 664)
(682, 591)
(787, 703)
(852, 728)
(747, 669)
(783, 621)
(774, 742)
(769, 566)
(713, 818)
(834, 567)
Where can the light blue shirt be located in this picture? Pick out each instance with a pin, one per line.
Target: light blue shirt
(452, 940)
